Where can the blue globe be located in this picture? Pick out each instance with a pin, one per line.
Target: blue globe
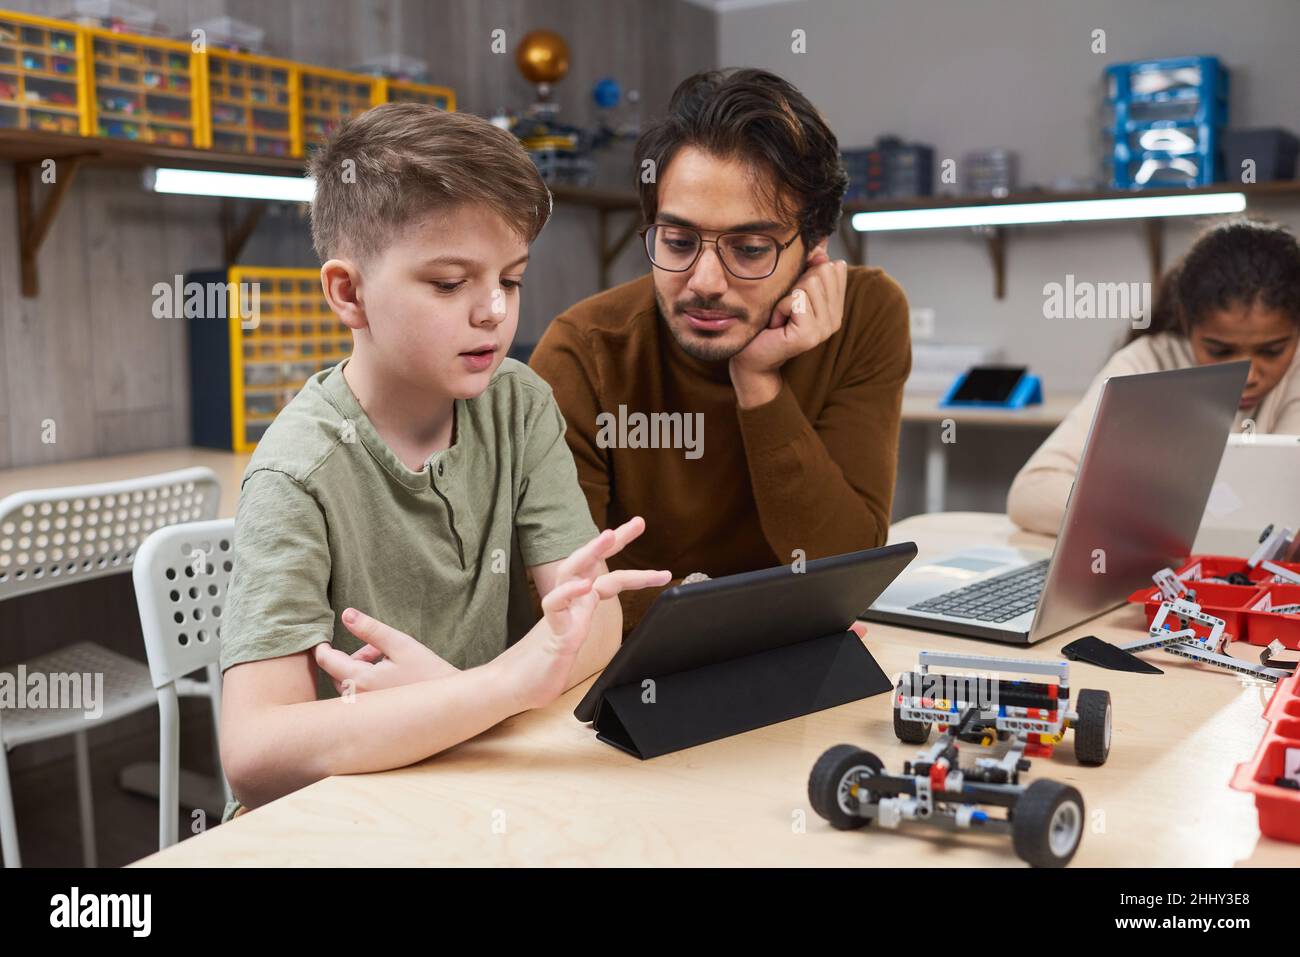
(606, 92)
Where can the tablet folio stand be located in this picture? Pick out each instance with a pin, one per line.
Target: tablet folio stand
(664, 713)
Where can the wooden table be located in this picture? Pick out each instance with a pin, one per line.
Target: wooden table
(539, 789)
(925, 410)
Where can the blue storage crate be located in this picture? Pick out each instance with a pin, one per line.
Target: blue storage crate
(1167, 120)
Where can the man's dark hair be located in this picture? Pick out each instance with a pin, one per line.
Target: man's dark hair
(760, 119)
(1240, 262)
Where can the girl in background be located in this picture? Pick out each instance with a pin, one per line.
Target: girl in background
(1235, 295)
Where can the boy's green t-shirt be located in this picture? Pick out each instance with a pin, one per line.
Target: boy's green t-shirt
(329, 518)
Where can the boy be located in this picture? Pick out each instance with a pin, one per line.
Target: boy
(415, 481)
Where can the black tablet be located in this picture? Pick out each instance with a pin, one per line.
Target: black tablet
(704, 623)
(986, 384)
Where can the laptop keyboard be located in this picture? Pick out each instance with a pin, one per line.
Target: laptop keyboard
(994, 599)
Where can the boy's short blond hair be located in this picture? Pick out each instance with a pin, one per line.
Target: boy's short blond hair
(394, 163)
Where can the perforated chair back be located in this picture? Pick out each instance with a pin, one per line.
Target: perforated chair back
(181, 576)
(55, 536)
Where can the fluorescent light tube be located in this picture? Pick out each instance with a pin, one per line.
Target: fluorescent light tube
(1067, 211)
(203, 182)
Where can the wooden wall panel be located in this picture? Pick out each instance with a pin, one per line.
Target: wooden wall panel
(48, 341)
(124, 260)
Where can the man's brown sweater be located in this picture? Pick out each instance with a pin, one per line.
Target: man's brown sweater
(809, 474)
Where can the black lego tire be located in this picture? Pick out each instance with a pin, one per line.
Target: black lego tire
(1047, 824)
(1093, 731)
(910, 732)
(825, 779)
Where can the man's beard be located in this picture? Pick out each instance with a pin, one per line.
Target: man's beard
(705, 348)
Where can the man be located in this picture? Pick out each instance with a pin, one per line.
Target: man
(776, 374)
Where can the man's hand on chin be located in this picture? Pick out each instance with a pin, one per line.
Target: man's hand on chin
(810, 314)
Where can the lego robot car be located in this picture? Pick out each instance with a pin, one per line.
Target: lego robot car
(1033, 715)
(850, 788)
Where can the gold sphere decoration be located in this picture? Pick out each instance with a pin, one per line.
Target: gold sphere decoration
(542, 57)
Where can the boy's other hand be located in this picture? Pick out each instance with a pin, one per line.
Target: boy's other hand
(538, 665)
(387, 659)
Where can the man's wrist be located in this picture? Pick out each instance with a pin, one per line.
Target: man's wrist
(756, 388)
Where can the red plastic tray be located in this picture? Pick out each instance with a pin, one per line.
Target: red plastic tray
(1278, 807)
(1220, 566)
(1228, 602)
(1263, 627)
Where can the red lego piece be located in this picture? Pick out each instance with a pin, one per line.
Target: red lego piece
(938, 775)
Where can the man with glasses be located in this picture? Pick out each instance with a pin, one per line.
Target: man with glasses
(792, 364)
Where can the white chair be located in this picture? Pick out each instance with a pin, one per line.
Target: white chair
(61, 536)
(181, 575)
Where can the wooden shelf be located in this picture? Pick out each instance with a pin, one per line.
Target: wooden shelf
(996, 236)
(20, 146)
(27, 148)
(610, 199)
(607, 203)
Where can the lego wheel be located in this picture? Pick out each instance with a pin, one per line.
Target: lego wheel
(1092, 732)
(833, 785)
(1047, 824)
(910, 732)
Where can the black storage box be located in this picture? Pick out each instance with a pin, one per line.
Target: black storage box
(1273, 150)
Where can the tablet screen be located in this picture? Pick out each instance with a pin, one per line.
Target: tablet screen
(989, 384)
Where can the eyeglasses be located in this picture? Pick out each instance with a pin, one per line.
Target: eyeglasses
(744, 255)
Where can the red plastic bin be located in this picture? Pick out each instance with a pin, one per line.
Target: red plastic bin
(1263, 627)
(1278, 807)
(1228, 602)
(1263, 576)
(1221, 566)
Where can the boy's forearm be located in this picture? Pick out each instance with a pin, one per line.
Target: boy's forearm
(299, 744)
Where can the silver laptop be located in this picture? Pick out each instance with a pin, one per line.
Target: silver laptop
(1255, 487)
(1137, 500)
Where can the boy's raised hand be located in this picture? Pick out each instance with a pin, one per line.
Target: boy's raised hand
(538, 665)
(387, 659)
(588, 562)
